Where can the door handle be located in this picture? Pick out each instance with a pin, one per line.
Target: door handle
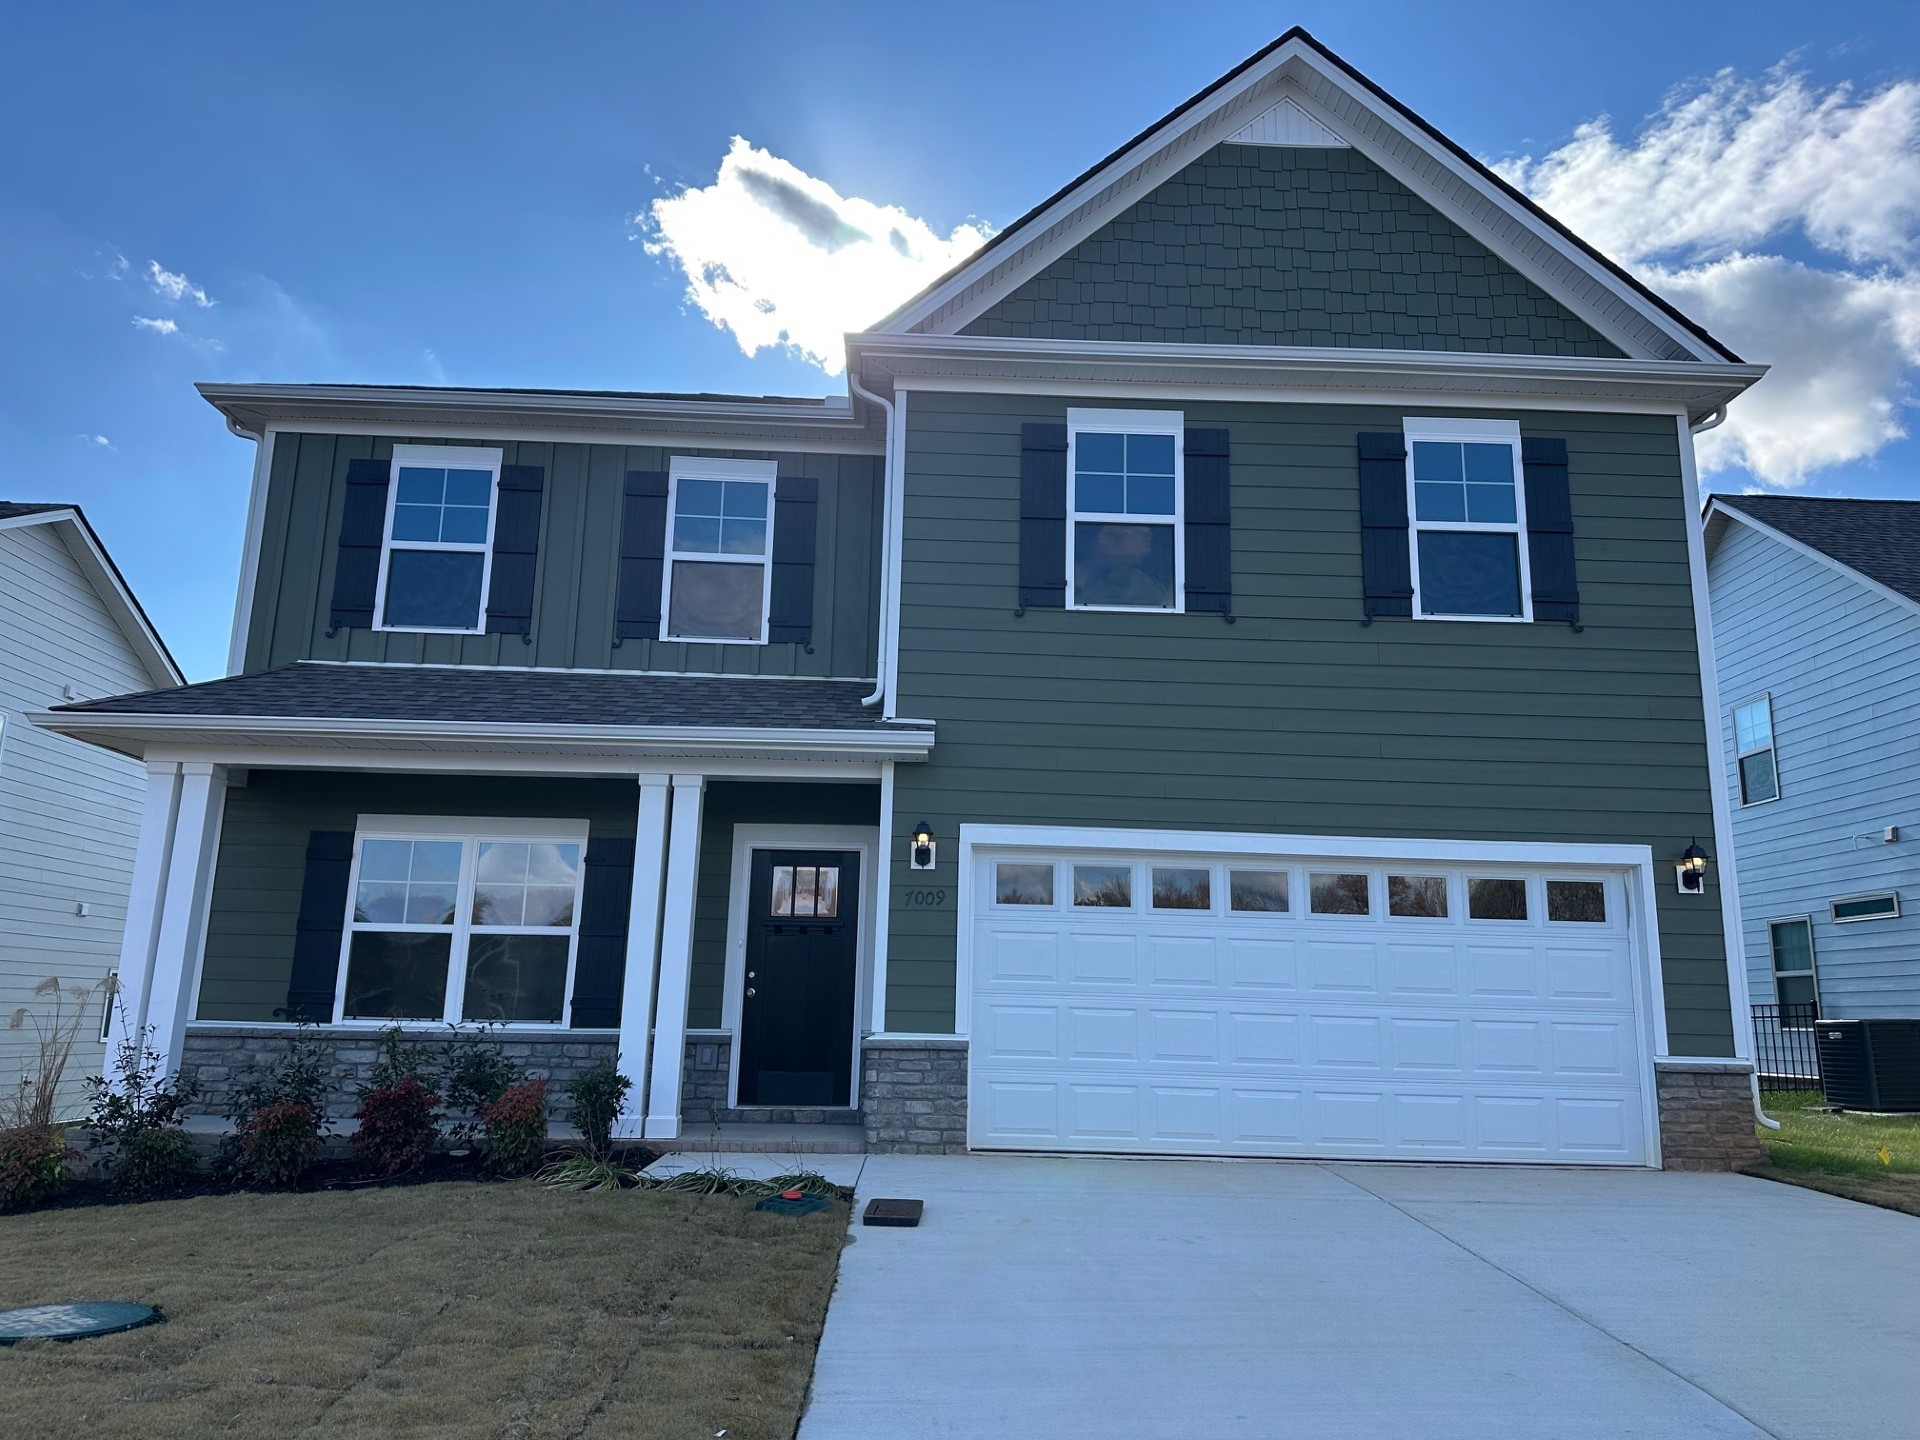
(751, 992)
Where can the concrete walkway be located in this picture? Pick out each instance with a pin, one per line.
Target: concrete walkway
(1063, 1298)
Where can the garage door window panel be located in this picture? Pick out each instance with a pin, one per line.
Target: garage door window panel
(1577, 902)
(1103, 886)
(1421, 897)
(1338, 893)
(1022, 883)
(1182, 887)
(1257, 892)
(1496, 898)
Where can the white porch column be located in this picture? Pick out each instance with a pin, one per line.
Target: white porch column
(676, 958)
(144, 904)
(643, 949)
(176, 955)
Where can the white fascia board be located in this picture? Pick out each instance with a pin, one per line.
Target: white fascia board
(1717, 511)
(1345, 847)
(91, 556)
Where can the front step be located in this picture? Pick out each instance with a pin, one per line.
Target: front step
(769, 1139)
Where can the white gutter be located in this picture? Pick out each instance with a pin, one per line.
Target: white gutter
(1718, 417)
(887, 523)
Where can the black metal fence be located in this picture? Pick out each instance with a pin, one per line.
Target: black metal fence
(1784, 1048)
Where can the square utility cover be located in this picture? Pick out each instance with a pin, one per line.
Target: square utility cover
(905, 1213)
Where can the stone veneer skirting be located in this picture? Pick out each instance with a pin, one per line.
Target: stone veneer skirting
(913, 1095)
(1706, 1115)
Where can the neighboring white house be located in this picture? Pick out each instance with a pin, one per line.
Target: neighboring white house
(1816, 621)
(69, 813)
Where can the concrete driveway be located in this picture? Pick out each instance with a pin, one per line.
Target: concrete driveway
(1059, 1298)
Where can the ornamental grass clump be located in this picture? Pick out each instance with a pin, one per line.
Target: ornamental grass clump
(513, 1128)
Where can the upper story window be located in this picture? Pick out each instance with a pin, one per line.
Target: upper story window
(436, 557)
(718, 577)
(1753, 751)
(1469, 529)
(1124, 513)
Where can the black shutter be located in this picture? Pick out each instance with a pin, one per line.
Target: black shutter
(316, 935)
(516, 550)
(1209, 517)
(1386, 569)
(363, 525)
(1043, 516)
(796, 511)
(643, 547)
(1556, 590)
(600, 963)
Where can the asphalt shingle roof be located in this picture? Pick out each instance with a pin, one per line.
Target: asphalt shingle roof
(13, 509)
(1878, 538)
(310, 691)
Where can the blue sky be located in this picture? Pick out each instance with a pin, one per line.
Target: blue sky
(448, 194)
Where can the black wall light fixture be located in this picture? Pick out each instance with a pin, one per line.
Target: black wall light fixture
(1691, 869)
(920, 852)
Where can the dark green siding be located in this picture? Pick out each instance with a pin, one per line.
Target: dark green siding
(579, 552)
(1297, 719)
(1266, 245)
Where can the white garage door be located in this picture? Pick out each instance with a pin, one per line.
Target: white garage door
(1208, 1005)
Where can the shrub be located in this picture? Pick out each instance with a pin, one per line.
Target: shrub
(399, 1125)
(278, 1143)
(599, 1095)
(33, 1165)
(514, 1127)
(400, 1059)
(475, 1070)
(135, 1119)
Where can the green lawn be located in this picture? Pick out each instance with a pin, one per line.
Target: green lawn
(1840, 1153)
(426, 1311)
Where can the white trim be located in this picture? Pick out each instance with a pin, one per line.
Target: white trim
(1771, 749)
(469, 832)
(1171, 423)
(698, 467)
(444, 457)
(861, 839)
(882, 900)
(1728, 508)
(1417, 429)
(676, 957)
(140, 934)
(171, 997)
(891, 578)
(250, 550)
(643, 949)
(1739, 999)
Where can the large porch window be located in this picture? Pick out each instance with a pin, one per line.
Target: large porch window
(462, 920)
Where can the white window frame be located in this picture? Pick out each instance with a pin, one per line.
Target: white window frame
(1472, 432)
(701, 467)
(1833, 907)
(471, 832)
(1131, 422)
(439, 457)
(1771, 748)
(1812, 972)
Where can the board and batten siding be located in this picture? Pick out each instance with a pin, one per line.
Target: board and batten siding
(1839, 661)
(1297, 719)
(575, 589)
(69, 812)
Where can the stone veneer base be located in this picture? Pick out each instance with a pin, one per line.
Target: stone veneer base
(1706, 1115)
(913, 1095)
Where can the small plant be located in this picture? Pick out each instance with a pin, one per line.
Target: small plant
(135, 1119)
(475, 1070)
(33, 1165)
(514, 1128)
(278, 1143)
(399, 1126)
(599, 1095)
(400, 1059)
(33, 1101)
(588, 1172)
(807, 1182)
(708, 1180)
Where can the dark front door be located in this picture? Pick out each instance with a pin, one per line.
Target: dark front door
(796, 1021)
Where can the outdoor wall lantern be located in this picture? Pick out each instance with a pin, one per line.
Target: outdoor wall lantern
(1691, 871)
(920, 854)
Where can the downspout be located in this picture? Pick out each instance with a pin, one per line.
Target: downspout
(250, 546)
(887, 523)
(1718, 417)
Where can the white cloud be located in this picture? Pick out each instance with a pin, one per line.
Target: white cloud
(159, 327)
(1735, 165)
(781, 258)
(175, 286)
(97, 442)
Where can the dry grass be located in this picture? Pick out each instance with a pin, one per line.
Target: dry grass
(1839, 1153)
(428, 1311)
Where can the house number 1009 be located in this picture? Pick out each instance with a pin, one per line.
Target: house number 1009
(926, 897)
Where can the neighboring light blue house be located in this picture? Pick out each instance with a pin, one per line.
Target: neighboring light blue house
(1816, 619)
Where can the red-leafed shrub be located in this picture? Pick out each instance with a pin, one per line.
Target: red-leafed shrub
(399, 1126)
(514, 1127)
(279, 1142)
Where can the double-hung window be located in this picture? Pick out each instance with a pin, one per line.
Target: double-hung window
(1469, 514)
(436, 558)
(718, 578)
(1753, 751)
(1125, 480)
(471, 921)
(1791, 942)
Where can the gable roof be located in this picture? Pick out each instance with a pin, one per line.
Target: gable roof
(105, 577)
(1299, 73)
(1877, 539)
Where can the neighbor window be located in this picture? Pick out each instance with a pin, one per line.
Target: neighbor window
(1866, 907)
(1124, 471)
(1791, 942)
(435, 562)
(1753, 751)
(462, 921)
(719, 571)
(1469, 519)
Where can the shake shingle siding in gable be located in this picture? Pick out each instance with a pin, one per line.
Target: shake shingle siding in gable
(1265, 245)
(1296, 719)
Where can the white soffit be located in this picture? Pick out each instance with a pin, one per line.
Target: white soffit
(1285, 123)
